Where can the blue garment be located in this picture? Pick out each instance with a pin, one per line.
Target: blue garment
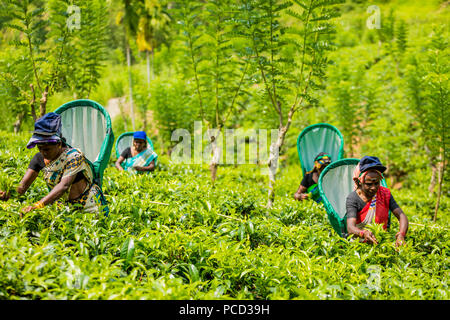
(368, 162)
(49, 124)
(47, 129)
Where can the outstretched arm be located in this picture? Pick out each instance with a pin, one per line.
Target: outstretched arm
(365, 234)
(118, 163)
(25, 183)
(150, 167)
(301, 193)
(403, 222)
(53, 195)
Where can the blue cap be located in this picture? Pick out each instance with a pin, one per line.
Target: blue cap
(140, 135)
(368, 162)
(47, 129)
(48, 125)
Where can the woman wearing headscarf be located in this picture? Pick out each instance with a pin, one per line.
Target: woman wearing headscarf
(370, 203)
(66, 171)
(308, 187)
(139, 157)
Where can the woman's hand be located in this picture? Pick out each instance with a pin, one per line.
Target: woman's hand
(400, 240)
(368, 236)
(4, 196)
(26, 210)
(301, 196)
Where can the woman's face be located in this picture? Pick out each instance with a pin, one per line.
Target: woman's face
(323, 167)
(139, 144)
(322, 164)
(49, 151)
(371, 184)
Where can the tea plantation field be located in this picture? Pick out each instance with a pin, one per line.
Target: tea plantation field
(171, 235)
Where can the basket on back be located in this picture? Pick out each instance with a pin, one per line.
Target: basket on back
(86, 125)
(321, 137)
(125, 140)
(335, 184)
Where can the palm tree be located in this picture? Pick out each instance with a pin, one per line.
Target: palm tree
(152, 30)
(128, 17)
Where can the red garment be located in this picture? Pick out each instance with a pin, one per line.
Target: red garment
(382, 208)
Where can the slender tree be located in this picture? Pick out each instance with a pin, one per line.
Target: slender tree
(128, 17)
(89, 47)
(291, 59)
(153, 28)
(217, 67)
(34, 46)
(55, 47)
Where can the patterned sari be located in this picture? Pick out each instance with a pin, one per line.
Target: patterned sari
(142, 159)
(70, 163)
(377, 209)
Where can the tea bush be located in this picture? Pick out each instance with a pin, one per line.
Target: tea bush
(172, 235)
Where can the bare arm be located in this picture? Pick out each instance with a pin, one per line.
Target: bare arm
(25, 183)
(365, 234)
(301, 193)
(403, 222)
(150, 167)
(54, 194)
(119, 162)
(58, 190)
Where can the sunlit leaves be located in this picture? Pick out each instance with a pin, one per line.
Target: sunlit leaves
(206, 244)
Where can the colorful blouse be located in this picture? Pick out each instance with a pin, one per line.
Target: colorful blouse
(73, 162)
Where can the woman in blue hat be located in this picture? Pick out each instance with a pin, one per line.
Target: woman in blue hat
(139, 157)
(370, 203)
(308, 186)
(66, 171)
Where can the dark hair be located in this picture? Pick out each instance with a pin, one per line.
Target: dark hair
(145, 141)
(322, 154)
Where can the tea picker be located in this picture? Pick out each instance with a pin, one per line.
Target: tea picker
(317, 146)
(355, 194)
(135, 153)
(74, 145)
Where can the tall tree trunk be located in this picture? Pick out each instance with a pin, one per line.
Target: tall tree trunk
(18, 123)
(148, 70)
(149, 77)
(130, 85)
(440, 180)
(122, 113)
(434, 172)
(43, 106)
(214, 164)
(274, 154)
(272, 164)
(32, 102)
